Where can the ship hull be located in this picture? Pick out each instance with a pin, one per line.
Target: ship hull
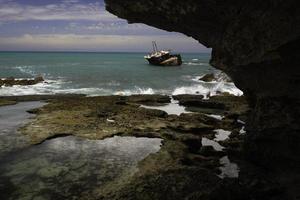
(170, 60)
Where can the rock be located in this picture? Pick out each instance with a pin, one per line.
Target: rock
(190, 127)
(258, 46)
(149, 99)
(12, 81)
(224, 93)
(154, 112)
(185, 97)
(33, 111)
(39, 79)
(208, 151)
(197, 101)
(193, 142)
(208, 78)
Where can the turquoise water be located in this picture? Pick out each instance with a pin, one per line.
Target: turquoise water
(106, 74)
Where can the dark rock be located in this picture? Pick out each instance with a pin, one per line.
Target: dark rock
(208, 78)
(224, 93)
(193, 142)
(187, 97)
(154, 112)
(121, 101)
(190, 127)
(197, 101)
(12, 81)
(258, 45)
(33, 111)
(149, 99)
(210, 151)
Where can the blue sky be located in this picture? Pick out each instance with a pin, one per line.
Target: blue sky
(79, 25)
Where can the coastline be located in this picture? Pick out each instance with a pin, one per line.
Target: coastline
(184, 155)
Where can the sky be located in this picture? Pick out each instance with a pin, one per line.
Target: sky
(79, 25)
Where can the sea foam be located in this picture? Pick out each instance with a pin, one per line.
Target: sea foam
(209, 89)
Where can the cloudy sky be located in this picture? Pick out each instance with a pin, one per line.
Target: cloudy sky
(78, 25)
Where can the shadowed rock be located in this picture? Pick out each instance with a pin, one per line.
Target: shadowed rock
(257, 43)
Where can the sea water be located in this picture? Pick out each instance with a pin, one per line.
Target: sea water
(96, 74)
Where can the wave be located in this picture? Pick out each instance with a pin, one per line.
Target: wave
(209, 89)
(51, 87)
(136, 90)
(46, 87)
(62, 86)
(30, 70)
(59, 87)
(26, 70)
(194, 63)
(219, 77)
(113, 83)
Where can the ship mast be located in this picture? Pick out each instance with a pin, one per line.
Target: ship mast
(155, 49)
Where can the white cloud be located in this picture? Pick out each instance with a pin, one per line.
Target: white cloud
(98, 42)
(67, 10)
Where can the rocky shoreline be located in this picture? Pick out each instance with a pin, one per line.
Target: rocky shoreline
(185, 156)
(11, 81)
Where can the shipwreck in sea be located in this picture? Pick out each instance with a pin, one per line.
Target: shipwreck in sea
(163, 57)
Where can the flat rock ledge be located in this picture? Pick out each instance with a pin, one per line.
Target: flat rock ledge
(181, 159)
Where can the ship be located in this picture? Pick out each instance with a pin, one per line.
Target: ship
(163, 57)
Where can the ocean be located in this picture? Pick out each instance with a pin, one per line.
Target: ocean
(97, 74)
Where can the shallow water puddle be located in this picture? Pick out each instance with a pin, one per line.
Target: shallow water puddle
(218, 117)
(60, 166)
(242, 131)
(11, 118)
(214, 144)
(172, 108)
(63, 168)
(221, 135)
(228, 168)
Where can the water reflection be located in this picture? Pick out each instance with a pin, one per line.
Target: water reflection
(11, 118)
(65, 167)
(61, 168)
(172, 108)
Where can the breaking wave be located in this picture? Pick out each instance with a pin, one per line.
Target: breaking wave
(136, 90)
(58, 87)
(209, 89)
(27, 70)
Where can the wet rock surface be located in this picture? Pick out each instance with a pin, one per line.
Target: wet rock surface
(208, 78)
(185, 167)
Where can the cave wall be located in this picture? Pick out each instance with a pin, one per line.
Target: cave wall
(257, 44)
